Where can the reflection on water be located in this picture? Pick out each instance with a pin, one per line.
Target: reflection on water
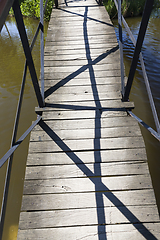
(11, 71)
(151, 54)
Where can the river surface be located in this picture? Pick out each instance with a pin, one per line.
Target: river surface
(11, 71)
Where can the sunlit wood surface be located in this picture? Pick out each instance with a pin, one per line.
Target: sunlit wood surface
(87, 175)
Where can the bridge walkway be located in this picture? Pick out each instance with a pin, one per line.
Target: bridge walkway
(87, 175)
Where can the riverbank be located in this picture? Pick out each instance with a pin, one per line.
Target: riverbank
(130, 8)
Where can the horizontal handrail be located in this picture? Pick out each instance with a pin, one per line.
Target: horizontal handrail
(137, 54)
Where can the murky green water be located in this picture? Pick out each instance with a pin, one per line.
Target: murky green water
(11, 71)
(151, 54)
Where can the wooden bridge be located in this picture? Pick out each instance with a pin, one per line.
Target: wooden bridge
(87, 175)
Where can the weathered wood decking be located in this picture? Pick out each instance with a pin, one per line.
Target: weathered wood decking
(87, 175)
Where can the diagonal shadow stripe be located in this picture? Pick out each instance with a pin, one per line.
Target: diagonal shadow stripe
(67, 2)
(97, 156)
(89, 18)
(92, 176)
(79, 71)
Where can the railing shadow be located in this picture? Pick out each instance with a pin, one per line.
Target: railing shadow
(97, 154)
(80, 70)
(98, 185)
(89, 18)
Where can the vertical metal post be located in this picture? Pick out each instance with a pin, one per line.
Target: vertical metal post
(56, 3)
(5, 195)
(121, 46)
(10, 160)
(27, 51)
(141, 35)
(42, 48)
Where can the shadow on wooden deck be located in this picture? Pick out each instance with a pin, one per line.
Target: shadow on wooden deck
(99, 185)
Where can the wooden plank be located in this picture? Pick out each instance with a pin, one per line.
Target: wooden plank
(83, 47)
(94, 53)
(54, 61)
(82, 82)
(87, 170)
(90, 22)
(88, 200)
(73, 97)
(97, 38)
(76, 19)
(81, 74)
(89, 123)
(76, 41)
(82, 217)
(77, 12)
(70, 69)
(115, 155)
(93, 105)
(88, 89)
(85, 144)
(78, 23)
(100, 16)
(63, 115)
(91, 134)
(84, 58)
(94, 15)
(79, 31)
(96, 105)
(73, 185)
(117, 231)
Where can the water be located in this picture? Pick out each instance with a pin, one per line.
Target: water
(11, 71)
(151, 54)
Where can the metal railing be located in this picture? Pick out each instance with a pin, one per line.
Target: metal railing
(5, 6)
(137, 55)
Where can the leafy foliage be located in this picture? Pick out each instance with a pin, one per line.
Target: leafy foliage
(130, 8)
(31, 8)
(157, 3)
(110, 7)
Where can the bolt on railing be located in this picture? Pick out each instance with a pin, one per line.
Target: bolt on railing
(137, 55)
